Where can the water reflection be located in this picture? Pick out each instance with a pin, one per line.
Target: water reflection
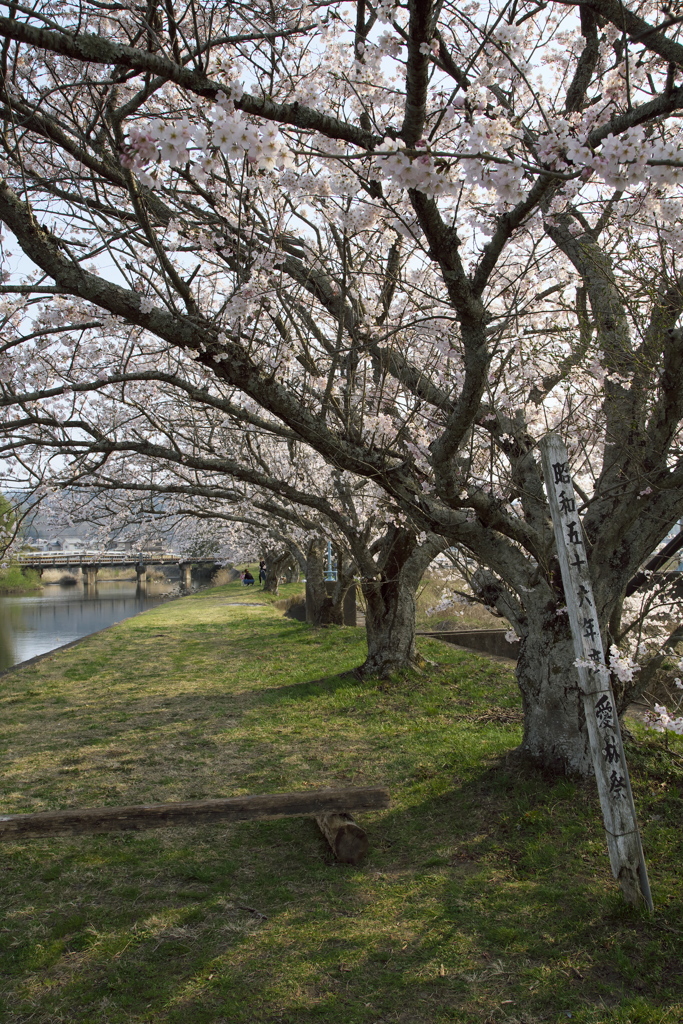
(32, 624)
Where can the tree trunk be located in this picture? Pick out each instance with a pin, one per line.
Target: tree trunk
(555, 734)
(276, 564)
(390, 602)
(321, 608)
(315, 581)
(271, 583)
(292, 574)
(389, 627)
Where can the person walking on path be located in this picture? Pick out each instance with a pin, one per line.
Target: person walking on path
(262, 571)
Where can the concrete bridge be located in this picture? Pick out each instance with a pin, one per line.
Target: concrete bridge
(90, 562)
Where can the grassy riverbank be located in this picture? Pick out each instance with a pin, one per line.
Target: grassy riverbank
(15, 580)
(486, 896)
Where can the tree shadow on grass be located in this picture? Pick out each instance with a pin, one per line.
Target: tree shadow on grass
(317, 687)
(485, 899)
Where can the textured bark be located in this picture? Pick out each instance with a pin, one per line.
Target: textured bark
(389, 626)
(298, 558)
(277, 563)
(325, 609)
(317, 601)
(333, 608)
(555, 734)
(271, 582)
(292, 574)
(390, 603)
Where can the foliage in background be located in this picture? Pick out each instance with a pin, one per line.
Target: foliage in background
(14, 579)
(7, 523)
(442, 603)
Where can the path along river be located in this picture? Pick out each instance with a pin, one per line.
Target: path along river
(35, 623)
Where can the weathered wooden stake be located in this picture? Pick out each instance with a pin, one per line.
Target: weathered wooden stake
(609, 762)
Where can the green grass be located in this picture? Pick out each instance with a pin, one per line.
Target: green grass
(486, 896)
(14, 579)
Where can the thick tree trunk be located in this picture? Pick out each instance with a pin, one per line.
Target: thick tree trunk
(555, 734)
(323, 609)
(390, 603)
(271, 582)
(292, 574)
(298, 560)
(315, 582)
(389, 627)
(276, 564)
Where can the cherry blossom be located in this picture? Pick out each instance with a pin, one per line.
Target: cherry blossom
(414, 242)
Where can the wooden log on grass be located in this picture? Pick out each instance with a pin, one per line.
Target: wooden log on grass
(348, 840)
(192, 812)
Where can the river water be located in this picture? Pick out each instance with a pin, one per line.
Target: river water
(35, 623)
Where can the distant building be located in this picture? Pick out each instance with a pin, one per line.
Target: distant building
(71, 544)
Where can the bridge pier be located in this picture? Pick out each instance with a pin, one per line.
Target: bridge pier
(141, 575)
(185, 575)
(90, 574)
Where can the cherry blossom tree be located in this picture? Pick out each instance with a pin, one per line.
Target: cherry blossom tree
(417, 236)
(147, 451)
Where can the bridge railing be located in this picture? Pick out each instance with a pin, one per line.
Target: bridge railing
(98, 557)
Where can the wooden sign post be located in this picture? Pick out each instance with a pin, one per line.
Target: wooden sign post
(609, 762)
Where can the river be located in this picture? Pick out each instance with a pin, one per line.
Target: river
(35, 623)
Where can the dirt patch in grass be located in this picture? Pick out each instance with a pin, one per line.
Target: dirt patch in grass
(486, 896)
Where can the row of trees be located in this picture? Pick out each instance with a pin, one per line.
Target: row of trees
(270, 493)
(360, 261)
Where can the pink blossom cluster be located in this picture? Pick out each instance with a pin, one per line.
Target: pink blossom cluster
(380, 428)
(661, 721)
(508, 50)
(389, 44)
(141, 148)
(621, 160)
(229, 134)
(432, 47)
(446, 603)
(386, 9)
(620, 665)
(414, 171)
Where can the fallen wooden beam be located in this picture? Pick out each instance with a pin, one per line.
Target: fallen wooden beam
(192, 812)
(349, 842)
